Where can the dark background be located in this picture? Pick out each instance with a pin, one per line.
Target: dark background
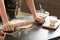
(52, 6)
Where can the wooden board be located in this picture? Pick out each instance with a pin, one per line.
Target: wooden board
(47, 25)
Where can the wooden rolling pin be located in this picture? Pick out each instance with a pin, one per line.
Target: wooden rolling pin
(24, 23)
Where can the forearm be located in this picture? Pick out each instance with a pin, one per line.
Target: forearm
(3, 12)
(7, 25)
(31, 6)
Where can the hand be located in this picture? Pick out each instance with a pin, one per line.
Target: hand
(8, 27)
(40, 20)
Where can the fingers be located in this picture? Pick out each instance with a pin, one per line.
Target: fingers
(40, 20)
(8, 27)
(12, 27)
(5, 28)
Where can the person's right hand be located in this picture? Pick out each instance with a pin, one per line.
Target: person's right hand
(8, 27)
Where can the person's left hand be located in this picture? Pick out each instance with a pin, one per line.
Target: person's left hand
(40, 20)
